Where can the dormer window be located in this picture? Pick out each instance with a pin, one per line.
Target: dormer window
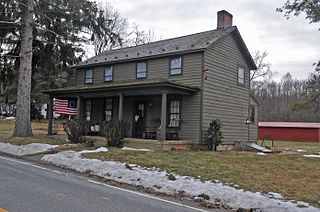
(141, 70)
(108, 73)
(176, 66)
(89, 76)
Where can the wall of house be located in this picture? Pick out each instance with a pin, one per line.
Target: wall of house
(158, 68)
(222, 96)
(254, 126)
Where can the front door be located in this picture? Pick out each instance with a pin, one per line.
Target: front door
(139, 120)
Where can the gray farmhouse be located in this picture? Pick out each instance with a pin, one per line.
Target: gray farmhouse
(176, 86)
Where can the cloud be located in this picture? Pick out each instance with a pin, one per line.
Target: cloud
(292, 44)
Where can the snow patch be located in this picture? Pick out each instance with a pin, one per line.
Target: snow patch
(25, 149)
(101, 149)
(158, 180)
(301, 150)
(261, 153)
(134, 149)
(312, 156)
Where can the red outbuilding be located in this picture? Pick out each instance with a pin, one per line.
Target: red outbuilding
(290, 131)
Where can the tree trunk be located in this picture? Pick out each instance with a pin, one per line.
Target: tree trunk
(23, 122)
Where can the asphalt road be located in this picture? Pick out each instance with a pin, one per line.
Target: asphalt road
(28, 187)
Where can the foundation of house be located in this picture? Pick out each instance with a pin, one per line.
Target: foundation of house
(169, 145)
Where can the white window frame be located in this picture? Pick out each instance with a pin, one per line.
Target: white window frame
(241, 75)
(108, 73)
(141, 70)
(174, 71)
(88, 79)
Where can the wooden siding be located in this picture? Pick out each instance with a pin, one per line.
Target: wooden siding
(254, 126)
(158, 68)
(223, 97)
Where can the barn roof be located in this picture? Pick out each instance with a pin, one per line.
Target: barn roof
(290, 124)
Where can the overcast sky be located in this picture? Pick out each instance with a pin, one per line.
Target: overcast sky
(293, 45)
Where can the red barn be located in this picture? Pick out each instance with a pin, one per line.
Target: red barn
(290, 131)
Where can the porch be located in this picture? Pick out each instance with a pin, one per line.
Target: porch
(145, 105)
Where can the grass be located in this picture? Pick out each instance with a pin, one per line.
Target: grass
(39, 134)
(290, 145)
(294, 176)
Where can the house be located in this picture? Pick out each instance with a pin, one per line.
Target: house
(290, 131)
(177, 85)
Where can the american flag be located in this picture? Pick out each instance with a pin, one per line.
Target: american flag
(66, 107)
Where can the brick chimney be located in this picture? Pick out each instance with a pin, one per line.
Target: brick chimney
(224, 19)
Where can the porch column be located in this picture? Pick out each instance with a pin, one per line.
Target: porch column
(163, 117)
(79, 112)
(120, 107)
(50, 114)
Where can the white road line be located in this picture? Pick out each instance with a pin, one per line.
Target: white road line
(29, 164)
(148, 196)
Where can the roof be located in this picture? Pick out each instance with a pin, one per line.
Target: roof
(189, 43)
(122, 85)
(289, 124)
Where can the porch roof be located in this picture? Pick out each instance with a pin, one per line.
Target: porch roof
(141, 87)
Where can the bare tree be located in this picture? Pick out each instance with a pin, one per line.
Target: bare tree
(138, 36)
(263, 67)
(23, 122)
(116, 31)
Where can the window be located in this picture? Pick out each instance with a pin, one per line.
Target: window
(89, 76)
(108, 110)
(141, 70)
(87, 110)
(174, 115)
(176, 66)
(241, 75)
(108, 73)
(252, 113)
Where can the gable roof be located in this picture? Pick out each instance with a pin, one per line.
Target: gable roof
(185, 44)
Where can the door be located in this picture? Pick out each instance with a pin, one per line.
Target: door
(139, 120)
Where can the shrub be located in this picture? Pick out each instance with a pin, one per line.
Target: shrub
(214, 134)
(75, 130)
(115, 132)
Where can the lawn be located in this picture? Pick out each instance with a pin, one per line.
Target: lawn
(292, 145)
(294, 176)
(39, 130)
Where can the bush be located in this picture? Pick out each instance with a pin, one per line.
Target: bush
(75, 130)
(214, 134)
(115, 132)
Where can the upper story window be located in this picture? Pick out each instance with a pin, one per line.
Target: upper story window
(252, 113)
(108, 73)
(141, 70)
(241, 76)
(176, 65)
(174, 113)
(89, 76)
